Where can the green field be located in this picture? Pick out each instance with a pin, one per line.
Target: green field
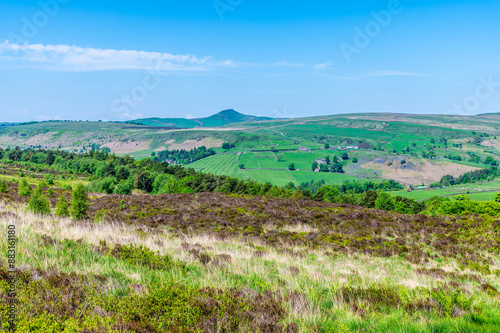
(220, 164)
(264, 167)
(478, 191)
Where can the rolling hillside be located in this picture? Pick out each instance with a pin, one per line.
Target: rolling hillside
(222, 118)
(408, 148)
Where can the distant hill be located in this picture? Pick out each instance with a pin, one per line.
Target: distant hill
(222, 118)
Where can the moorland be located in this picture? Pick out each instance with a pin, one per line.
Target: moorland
(108, 243)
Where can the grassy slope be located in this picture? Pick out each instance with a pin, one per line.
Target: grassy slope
(222, 118)
(327, 285)
(476, 191)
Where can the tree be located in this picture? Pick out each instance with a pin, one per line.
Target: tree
(368, 199)
(323, 168)
(384, 201)
(62, 207)
(337, 167)
(327, 145)
(354, 160)
(124, 187)
(24, 189)
(241, 166)
(39, 203)
(79, 203)
(327, 159)
(344, 156)
(291, 166)
(314, 166)
(122, 173)
(143, 181)
(497, 197)
(226, 145)
(50, 158)
(16, 154)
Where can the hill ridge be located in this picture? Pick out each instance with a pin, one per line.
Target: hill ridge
(224, 117)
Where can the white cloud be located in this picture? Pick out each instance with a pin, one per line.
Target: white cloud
(326, 65)
(75, 58)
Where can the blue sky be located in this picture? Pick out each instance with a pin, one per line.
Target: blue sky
(120, 60)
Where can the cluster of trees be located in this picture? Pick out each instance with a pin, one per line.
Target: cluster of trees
(370, 199)
(462, 205)
(453, 157)
(331, 165)
(182, 156)
(109, 173)
(227, 145)
(39, 202)
(469, 177)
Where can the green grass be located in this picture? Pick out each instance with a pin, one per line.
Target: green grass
(220, 164)
(256, 164)
(316, 289)
(474, 190)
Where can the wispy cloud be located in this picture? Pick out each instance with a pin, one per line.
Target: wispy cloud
(326, 65)
(392, 73)
(75, 58)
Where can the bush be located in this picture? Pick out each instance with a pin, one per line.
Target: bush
(384, 201)
(39, 203)
(3, 186)
(124, 187)
(104, 185)
(62, 207)
(24, 189)
(79, 203)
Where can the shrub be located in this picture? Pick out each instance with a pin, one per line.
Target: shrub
(3, 186)
(39, 203)
(49, 179)
(144, 257)
(62, 207)
(79, 203)
(24, 189)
